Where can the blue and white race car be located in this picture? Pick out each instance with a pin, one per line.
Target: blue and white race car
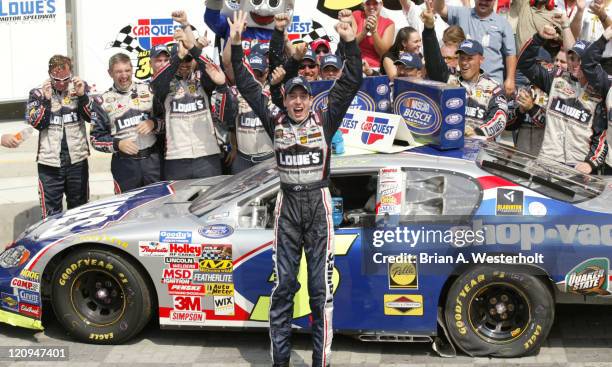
(473, 247)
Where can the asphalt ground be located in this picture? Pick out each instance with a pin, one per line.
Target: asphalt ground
(581, 336)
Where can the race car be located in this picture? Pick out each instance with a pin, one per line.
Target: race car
(469, 248)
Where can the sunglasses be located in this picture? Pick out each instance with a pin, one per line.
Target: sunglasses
(63, 80)
(309, 66)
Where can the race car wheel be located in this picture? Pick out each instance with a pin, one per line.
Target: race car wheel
(499, 312)
(100, 297)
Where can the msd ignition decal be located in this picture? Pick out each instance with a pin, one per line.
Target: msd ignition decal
(175, 236)
(590, 277)
(420, 113)
(216, 231)
(100, 213)
(139, 37)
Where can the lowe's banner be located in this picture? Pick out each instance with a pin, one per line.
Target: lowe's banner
(32, 31)
(374, 95)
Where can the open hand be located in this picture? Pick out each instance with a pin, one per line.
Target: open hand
(237, 26)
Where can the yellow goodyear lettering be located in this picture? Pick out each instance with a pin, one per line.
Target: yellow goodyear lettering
(301, 307)
(104, 239)
(107, 336)
(532, 339)
(459, 322)
(70, 269)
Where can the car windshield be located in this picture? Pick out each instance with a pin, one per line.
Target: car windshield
(540, 174)
(233, 187)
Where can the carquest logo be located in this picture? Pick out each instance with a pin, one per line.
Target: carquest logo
(453, 134)
(454, 103)
(216, 231)
(153, 32)
(420, 113)
(453, 119)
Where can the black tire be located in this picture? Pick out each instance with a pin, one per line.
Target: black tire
(499, 311)
(100, 297)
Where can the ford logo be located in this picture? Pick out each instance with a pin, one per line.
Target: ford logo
(454, 103)
(453, 134)
(216, 231)
(453, 119)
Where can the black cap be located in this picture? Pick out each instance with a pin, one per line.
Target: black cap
(331, 60)
(298, 81)
(544, 55)
(580, 47)
(409, 60)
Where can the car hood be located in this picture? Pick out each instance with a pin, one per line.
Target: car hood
(153, 201)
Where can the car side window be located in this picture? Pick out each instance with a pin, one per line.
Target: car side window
(436, 192)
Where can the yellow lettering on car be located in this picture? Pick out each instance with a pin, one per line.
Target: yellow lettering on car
(342, 245)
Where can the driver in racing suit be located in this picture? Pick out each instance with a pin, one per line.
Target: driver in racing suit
(575, 120)
(302, 140)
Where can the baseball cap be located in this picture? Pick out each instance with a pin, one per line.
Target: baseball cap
(544, 55)
(310, 55)
(258, 62)
(470, 47)
(314, 45)
(409, 60)
(261, 48)
(298, 81)
(580, 47)
(157, 50)
(331, 60)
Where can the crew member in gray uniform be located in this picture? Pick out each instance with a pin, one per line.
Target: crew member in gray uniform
(191, 144)
(302, 141)
(125, 127)
(253, 143)
(58, 110)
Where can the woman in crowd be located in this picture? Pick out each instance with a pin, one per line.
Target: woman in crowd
(408, 40)
(374, 32)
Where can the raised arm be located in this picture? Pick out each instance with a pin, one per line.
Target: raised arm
(248, 87)
(527, 64)
(591, 64)
(38, 107)
(344, 89)
(434, 62)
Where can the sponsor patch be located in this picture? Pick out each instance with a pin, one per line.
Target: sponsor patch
(403, 305)
(187, 317)
(9, 302)
(590, 277)
(184, 250)
(219, 266)
(175, 236)
(224, 305)
(29, 310)
(186, 289)
(181, 262)
(200, 278)
(28, 285)
(216, 231)
(509, 202)
(29, 297)
(403, 276)
(216, 252)
(187, 303)
(152, 248)
(219, 289)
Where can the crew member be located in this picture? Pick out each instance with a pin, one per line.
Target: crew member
(124, 126)
(58, 110)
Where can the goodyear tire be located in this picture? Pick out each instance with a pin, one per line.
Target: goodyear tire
(100, 297)
(499, 312)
